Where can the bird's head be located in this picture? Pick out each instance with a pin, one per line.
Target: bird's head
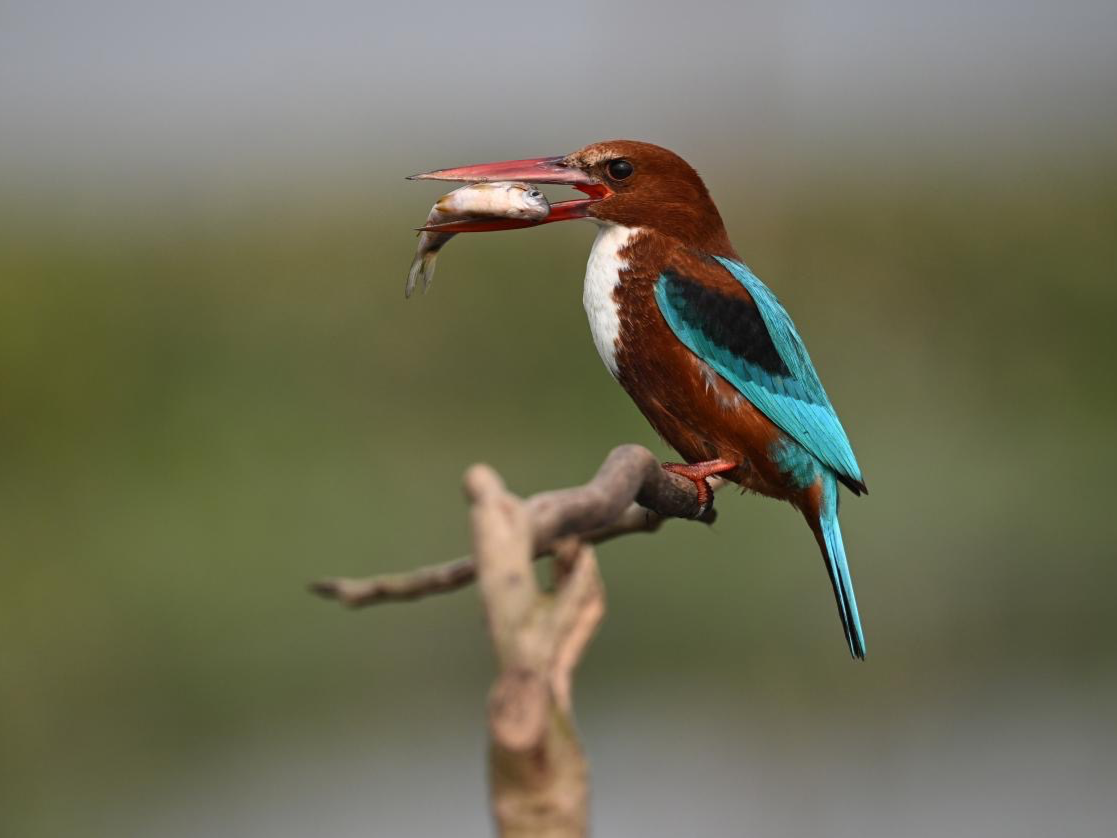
(626, 182)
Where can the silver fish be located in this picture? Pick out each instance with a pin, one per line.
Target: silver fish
(499, 199)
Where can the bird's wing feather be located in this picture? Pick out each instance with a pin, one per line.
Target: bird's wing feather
(750, 341)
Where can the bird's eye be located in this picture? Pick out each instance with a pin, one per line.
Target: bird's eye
(619, 169)
(534, 193)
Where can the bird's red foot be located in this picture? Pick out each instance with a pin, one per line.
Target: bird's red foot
(698, 472)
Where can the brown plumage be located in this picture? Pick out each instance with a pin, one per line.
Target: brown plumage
(695, 410)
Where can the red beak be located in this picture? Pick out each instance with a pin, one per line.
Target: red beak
(535, 170)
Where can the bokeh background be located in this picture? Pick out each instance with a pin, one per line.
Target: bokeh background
(212, 391)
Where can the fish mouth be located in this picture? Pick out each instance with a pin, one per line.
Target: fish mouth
(546, 170)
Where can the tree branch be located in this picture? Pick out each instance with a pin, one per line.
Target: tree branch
(538, 778)
(537, 771)
(630, 493)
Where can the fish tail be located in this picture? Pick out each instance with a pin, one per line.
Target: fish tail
(421, 268)
(829, 535)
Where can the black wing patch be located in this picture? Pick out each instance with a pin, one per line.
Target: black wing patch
(730, 322)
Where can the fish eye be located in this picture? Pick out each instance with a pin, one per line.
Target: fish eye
(619, 169)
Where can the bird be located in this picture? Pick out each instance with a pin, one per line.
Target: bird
(702, 346)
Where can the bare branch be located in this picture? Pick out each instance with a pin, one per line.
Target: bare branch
(538, 777)
(630, 473)
(538, 774)
(502, 540)
(578, 610)
(397, 587)
(630, 493)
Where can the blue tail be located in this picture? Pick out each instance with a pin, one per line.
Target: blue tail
(835, 555)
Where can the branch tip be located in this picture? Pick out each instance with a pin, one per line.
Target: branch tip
(481, 480)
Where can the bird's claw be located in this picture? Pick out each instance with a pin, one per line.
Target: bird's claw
(697, 473)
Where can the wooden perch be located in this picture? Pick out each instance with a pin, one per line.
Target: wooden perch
(537, 771)
(630, 493)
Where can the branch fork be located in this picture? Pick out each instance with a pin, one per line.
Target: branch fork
(537, 771)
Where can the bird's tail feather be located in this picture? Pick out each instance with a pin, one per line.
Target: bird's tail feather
(834, 552)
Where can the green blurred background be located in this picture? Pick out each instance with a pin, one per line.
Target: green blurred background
(212, 391)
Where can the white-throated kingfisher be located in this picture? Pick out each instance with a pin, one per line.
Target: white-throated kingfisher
(701, 345)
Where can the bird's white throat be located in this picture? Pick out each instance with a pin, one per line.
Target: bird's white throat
(602, 276)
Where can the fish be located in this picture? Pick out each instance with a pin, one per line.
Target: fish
(498, 199)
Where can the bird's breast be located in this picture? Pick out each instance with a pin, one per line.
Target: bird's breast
(599, 292)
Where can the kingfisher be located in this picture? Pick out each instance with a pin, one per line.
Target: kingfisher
(700, 344)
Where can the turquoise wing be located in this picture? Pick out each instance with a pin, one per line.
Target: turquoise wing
(755, 347)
